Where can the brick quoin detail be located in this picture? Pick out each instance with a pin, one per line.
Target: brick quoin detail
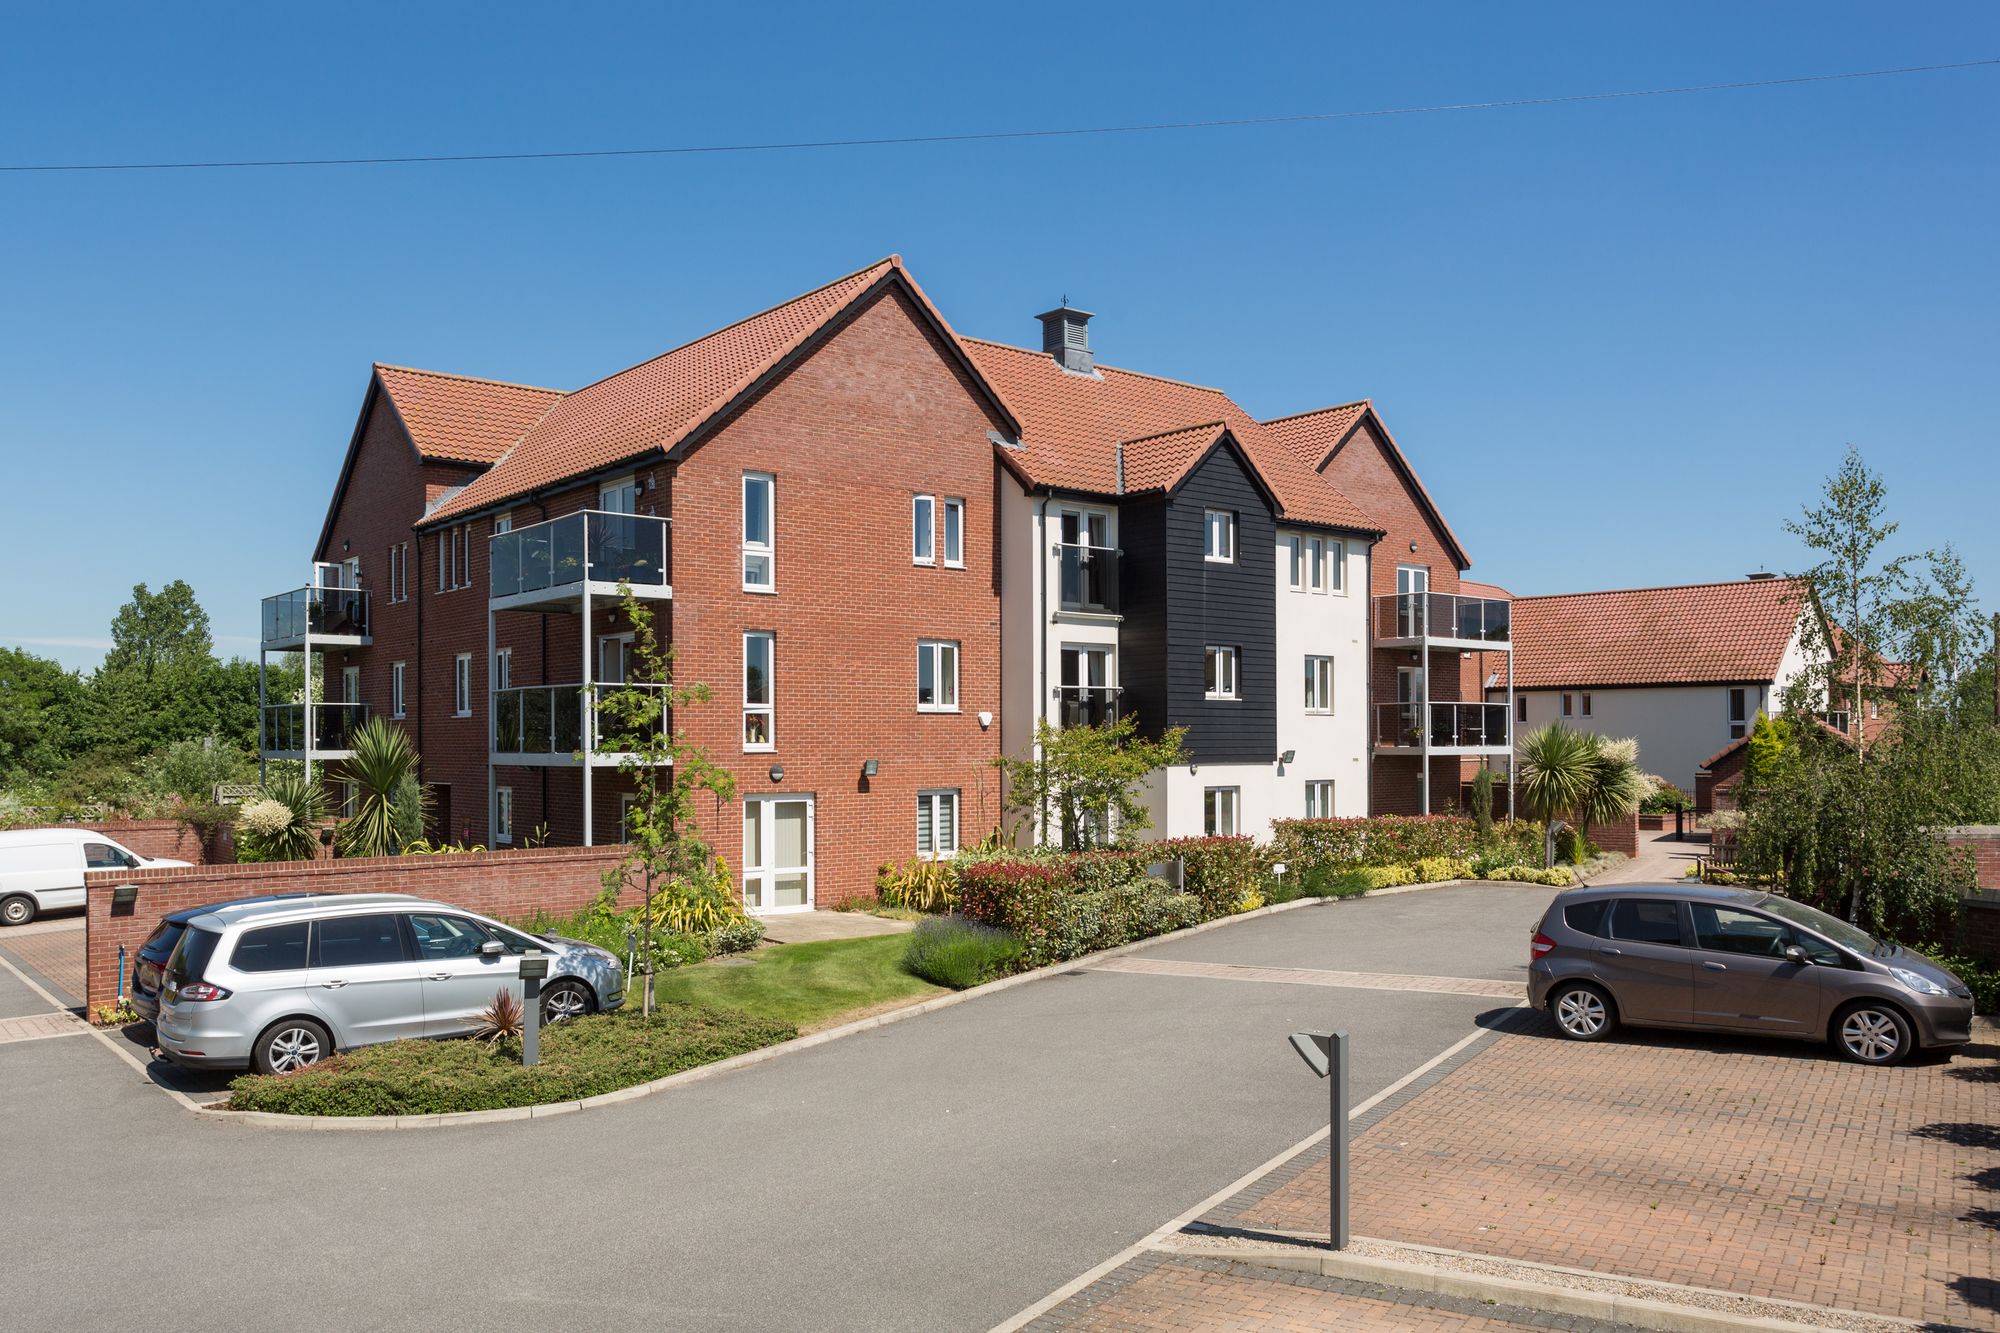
(559, 880)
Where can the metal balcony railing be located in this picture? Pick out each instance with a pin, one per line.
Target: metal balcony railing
(1448, 726)
(1441, 615)
(548, 719)
(291, 616)
(1089, 578)
(282, 727)
(1086, 705)
(589, 545)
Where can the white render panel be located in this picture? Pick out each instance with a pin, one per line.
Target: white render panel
(1677, 726)
(1335, 746)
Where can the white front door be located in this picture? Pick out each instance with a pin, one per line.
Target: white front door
(777, 853)
(619, 497)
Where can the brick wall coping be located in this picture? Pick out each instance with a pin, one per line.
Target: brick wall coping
(339, 867)
(1973, 831)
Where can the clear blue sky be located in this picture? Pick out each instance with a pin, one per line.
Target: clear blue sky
(1622, 341)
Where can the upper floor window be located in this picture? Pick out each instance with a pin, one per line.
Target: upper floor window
(503, 814)
(1520, 708)
(1219, 674)
(397, 673)
(620, 496)
(461, 685)
(1569, 705)
(1336, 565)
(503, 668)
(937, 823)
(954, 533)
(923, 529)
(759, 647)
(937, 676)
(1739, 713)
(759, 503)
(1219, 542)
(399, 572)
(1584, 701)
(1319, 684)
(455, 558)
(504, 523)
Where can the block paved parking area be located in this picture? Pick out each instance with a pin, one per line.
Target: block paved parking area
(1164, 1293)
(1762, 1168)
(51, 952)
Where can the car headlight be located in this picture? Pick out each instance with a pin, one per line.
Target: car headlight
(1917, 982)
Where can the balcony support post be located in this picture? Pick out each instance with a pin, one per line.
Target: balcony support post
(1424, 726)
(1512, 762)
(492, 728)
(263, 702)
(587, 721)
(306, 665)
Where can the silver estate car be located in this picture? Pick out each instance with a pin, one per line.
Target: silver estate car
(1737, 960)
(275, 985)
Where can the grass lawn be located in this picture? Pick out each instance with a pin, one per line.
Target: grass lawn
(807, 985)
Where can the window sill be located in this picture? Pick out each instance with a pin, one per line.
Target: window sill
(397, 717)
(760, 749)
(924, 708)
(503, 838)
(1218, 560)
(954, 564)
(924, 564)
(767, 592)
(466, 712)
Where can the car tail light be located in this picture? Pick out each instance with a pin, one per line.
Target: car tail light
(195, 992)
(1540, 946)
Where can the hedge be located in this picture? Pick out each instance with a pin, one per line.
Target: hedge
(1394, 840)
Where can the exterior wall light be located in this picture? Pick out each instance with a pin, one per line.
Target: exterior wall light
(1288, 756)
(777, 772)
(870, 767)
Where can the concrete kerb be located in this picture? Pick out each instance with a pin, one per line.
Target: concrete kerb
(1637, 1311)
(273, 1120)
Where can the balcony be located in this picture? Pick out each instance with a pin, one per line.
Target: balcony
(1088, 583)
(316, 618)
(541, 726)
(1086, 705)
(283, 732)
(550, 566)
(1454, 728)
(1440, 619)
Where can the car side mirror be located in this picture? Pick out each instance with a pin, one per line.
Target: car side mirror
(1794, 954)
(492, 949)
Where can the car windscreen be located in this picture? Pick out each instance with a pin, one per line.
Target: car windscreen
(1829, 927)
(191, 956)
(159, 946)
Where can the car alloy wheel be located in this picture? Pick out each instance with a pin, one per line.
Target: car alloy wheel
(1871, 1036)
(564, 1001)
(1582, 1013)
(293, 1046)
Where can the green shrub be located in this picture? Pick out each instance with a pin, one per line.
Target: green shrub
(1557, 877)
(738, 936)
(1219, 872)
(1321, 882)
(1571, 849)
(952, 951)
(1983, 979)
(580, 1058)
(1281, 888)
(1664, 799)
(920, 884)
(1026, 897)
(1437, 869)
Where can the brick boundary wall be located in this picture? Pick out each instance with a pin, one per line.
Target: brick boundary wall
(1982, 914)
(500, 884)
(1621, 836)
(158, 837)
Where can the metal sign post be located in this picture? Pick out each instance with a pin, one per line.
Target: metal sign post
(1325, 1053)
(534, 966)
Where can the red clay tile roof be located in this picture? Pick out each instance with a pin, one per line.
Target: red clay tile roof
(1467, 588)
(1311, 437)
(461, 419)
(1689, 634)
(657, 404)
(1072, 426)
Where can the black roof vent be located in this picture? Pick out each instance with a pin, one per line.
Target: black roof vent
(1065, 338)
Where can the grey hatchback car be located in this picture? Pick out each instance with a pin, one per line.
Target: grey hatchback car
(1737, 960)
(275, 985)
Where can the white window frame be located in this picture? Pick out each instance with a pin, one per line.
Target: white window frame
(503, 814)
(1221, 811)
(1568, 704)
(1336, 566)
(766, 550)
(1319, 798)
(1736, 710)
(397, 680)
(1319, 684)
(923, 529)
(606, 489)
(1296, 571)
(503, 523)
(1221, 674)
(934, 649)
(1316, 564)
(767, 709)
(1222, 551)
(461, 685)
(1583, 704)
(350, 798)
(934, 801)
(444, 560)
(954, 526)
(503, 669)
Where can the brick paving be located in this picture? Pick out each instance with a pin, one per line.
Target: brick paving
(1159, 1292)
(1758, 1168)
(34, 1027)
(1309, 976)
(57, 955)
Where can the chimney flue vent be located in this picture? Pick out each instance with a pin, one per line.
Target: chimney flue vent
(1065, 337)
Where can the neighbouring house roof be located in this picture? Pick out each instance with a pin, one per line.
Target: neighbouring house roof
(663, 403)
(461, 419)
(1686, 634)
(1076, 429)
(1493, 590)
(1314, 437)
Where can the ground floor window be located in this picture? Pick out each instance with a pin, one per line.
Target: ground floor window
(937, 823)
(1319, 799)
(503, 815)
(1219, 815)
(350, 799)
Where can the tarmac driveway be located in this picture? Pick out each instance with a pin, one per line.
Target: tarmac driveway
(941, 1172)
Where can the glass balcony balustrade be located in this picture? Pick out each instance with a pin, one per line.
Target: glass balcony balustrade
(592, 546)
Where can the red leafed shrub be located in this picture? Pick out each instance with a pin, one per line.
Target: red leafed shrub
(1030, 898)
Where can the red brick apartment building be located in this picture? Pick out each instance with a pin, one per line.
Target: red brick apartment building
(808, 500)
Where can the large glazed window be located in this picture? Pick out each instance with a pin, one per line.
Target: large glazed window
(759, 649)
(759, 518)
(937, 676)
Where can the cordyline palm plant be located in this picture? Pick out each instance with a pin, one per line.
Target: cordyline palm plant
(1580, 776)
(383, 769)
(298, 838)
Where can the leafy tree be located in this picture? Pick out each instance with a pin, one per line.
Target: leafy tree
(1085, 782)
(1482, 804)
(1763, 758)
(388, 800)
(667, 859)
(38, 704)
(159, 632)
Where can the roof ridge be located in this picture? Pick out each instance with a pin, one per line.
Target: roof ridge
(470, 379)
(893, 261)
(1661, 587)
(1318, 411)
(1118, 370)
(1217, 424)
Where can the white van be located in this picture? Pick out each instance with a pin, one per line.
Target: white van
(42, 868)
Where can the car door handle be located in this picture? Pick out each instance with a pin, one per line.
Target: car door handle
(1612, 953)
(333, 985)
(437, 976)
(1715, 967)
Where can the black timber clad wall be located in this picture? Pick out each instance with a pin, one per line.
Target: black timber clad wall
(1142, 594)
(1223, 604)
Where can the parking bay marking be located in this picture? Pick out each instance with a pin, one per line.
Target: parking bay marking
(1309, 976)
